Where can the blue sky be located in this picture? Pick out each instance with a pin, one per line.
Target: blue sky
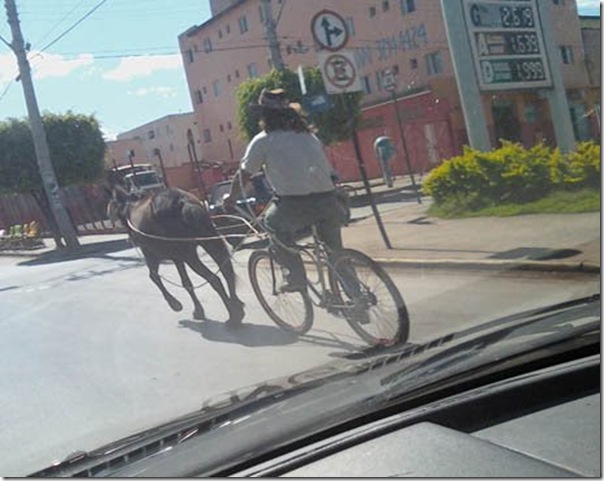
(121, 63)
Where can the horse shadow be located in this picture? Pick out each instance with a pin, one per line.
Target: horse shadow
(249, 335)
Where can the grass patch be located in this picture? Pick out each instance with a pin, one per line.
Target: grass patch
(586, 200)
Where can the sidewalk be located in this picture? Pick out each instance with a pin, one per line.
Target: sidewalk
(557, 242)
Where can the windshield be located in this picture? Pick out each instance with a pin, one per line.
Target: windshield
(143, 178)
(446, 153)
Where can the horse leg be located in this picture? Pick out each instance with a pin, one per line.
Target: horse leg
(235, 315)
(218, 252)
(153, 265)
(198, 313)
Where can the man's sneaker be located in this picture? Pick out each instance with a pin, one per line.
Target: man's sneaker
(292, 287)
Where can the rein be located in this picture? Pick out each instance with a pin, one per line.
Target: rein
(253, 230)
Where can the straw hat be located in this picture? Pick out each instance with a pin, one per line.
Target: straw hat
(276, 100)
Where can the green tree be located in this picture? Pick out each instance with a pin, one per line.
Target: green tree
(335, 125)
(77, 152)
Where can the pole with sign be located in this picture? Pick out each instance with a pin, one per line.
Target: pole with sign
(340, 76)
(390, 85)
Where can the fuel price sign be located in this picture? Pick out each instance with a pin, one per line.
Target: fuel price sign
(507, 44)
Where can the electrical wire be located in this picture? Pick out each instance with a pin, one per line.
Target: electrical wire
(74, 25)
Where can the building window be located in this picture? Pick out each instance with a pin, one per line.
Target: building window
(199, 96)
(228, 29)
(217, 88)
(207, 45)
(190, 57)
(204, 90)
(207, 136)
(379, 80)
(434, 63)
(171, 147)
(221, 128)
(228, 77)
(236, 73)
(229, 125)
(366, 81)
(413, 63)
(407, 6)
(261, 13)
(350, 26)
(372, 12)
(385, 5)
(219, 33)
(151, 134)
(566, 51)
(243, 24)
(252, 70)
(558, 2)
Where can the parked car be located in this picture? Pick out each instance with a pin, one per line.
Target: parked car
(255, 199)
(140, 183)
(252, 203)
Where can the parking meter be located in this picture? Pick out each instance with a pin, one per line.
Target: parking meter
(384, 150)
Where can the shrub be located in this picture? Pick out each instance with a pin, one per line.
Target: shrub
(512, 174)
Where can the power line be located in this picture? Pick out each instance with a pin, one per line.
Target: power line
(47, 34)
(74, 25)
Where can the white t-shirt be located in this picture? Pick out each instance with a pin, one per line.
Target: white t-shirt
(294, 162)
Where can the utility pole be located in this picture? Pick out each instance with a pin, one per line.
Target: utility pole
(49, 180)
(270, 28)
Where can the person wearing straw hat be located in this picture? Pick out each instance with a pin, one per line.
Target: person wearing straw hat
(295, 163)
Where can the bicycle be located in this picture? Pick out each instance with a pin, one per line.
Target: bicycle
(349, 284)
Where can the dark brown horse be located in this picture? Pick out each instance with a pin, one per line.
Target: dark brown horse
(175, 214)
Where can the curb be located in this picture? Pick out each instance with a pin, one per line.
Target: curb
(486, 264)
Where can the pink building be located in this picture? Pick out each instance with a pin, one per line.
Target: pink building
(407, 36)
(172, 145)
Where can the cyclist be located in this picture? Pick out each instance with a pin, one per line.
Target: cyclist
(301, 175)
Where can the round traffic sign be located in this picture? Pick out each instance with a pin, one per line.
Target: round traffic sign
(329, 30)
(340, 71)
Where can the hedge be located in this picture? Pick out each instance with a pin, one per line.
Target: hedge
(513, 174)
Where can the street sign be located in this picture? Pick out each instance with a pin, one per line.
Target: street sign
(507, 44)
(329, 30)
(339, 72)
(389, 80)
(316, 103)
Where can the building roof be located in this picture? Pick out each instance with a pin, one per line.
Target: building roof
(195, 29)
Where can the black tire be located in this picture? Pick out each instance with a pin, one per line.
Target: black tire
(291, 311)
(384, 319)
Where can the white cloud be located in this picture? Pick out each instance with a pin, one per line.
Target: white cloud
(593, 4)
(51, 65)
(131, 67)
(43, 65)
(165, 92)
(8, 67)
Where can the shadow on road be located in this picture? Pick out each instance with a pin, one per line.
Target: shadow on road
(402, 194)
(249, 335)
(85, 251)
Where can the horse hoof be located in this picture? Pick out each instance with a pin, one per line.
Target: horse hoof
(232, 324)
(175, 305)
(199, 314)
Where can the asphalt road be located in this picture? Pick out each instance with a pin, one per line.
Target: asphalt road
(90, 351)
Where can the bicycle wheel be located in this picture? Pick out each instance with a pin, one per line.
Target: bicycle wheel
(372, 304)
(291, 311)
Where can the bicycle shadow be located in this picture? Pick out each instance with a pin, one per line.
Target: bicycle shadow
(258, 335)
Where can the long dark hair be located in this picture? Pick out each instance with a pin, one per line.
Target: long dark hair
(283, 119)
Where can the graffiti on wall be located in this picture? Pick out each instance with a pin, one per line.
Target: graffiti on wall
(410, 39)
